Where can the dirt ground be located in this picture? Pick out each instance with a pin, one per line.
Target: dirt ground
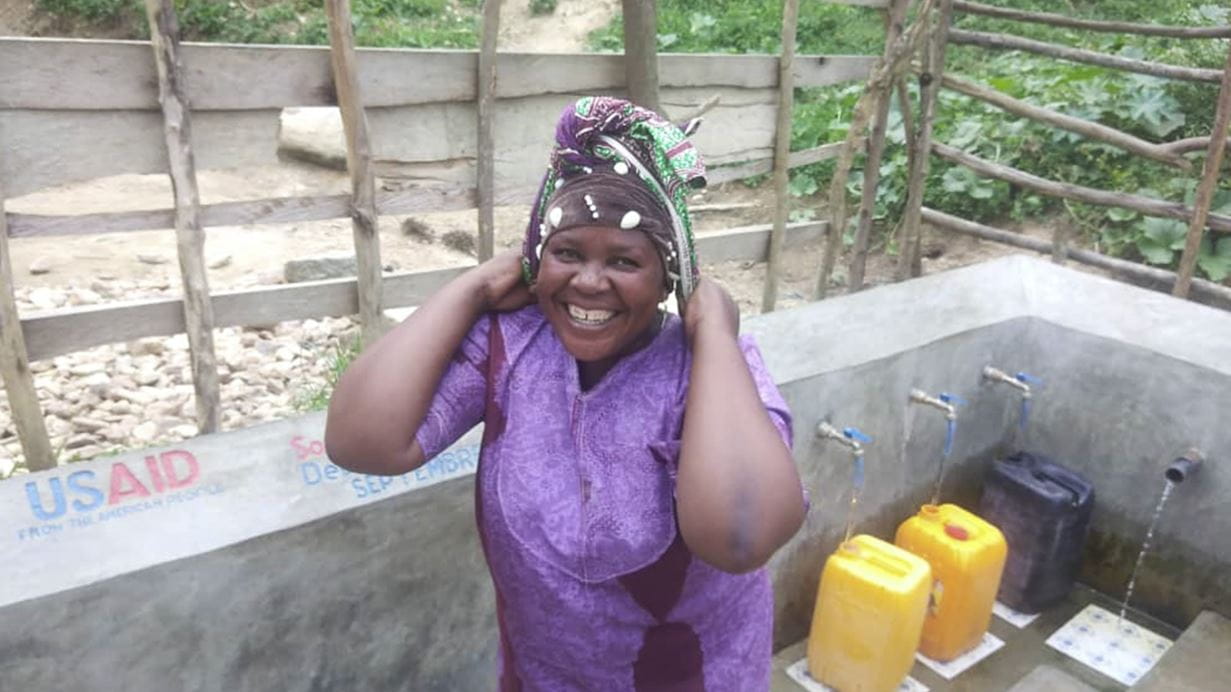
(247, 256)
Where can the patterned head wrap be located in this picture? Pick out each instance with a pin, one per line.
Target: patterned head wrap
(616, 164)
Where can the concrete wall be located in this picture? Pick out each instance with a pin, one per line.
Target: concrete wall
(394, 595)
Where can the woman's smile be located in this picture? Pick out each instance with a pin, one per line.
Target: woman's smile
(594, 317)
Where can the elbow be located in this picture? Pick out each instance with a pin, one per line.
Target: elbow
(349, 447)
(733, 550)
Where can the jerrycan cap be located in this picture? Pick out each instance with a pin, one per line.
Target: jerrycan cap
(956, 532)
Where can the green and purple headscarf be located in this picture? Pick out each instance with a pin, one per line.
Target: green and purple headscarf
(617, 164)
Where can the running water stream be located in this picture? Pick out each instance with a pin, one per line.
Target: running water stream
(1145, 548)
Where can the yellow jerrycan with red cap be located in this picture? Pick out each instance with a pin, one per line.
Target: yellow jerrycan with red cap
(870, 603)
(869, 613)
(967, 556)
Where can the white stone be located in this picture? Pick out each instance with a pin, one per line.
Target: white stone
(145, 432)
(87, 424)
(7, 466)
(43, 298)
(143, 347)
(89, 367)
(151, 258)
(80, 440)
(184, 431)
(147, 378)
(219, 262)
(83, 296)
(41, 265)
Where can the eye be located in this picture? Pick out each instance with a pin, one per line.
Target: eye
(626, 262)
(565, 253)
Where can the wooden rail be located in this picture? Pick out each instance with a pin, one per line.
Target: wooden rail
(362, 207)
(1158, 279)
(75, 329)
(895, 16)
(782, 152)
(1089, 57)
(189, 236)
(1093, 24)
(296, 209)
(70, 74)
(1078, 193)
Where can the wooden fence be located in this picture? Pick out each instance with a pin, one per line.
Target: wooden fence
(930, 34)
(76, 110)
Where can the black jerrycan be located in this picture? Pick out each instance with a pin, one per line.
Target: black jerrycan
(1043, 509)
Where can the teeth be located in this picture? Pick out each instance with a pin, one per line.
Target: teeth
(589, 316)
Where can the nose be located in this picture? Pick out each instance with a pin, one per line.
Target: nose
(591, 277)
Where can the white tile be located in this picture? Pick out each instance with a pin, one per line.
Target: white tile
(951, 669)
(1122, 651)
(1018, 620)
(798, 671)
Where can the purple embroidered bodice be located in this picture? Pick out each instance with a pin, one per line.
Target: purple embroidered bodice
(595, 588)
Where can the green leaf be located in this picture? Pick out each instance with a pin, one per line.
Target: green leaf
(1214, 258)
(1118, 214)
(1168, 233)
(1153, 252)
(957, 179)
(983, 191)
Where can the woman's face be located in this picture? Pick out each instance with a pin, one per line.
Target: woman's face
(600, 287)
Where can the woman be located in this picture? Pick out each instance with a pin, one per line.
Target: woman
(635, 474)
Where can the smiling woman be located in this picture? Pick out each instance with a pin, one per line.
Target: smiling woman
(635, 473)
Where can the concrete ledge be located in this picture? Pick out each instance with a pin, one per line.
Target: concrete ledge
(1047, 678)
(1199, 660)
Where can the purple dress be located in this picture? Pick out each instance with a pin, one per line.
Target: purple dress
(595, 588)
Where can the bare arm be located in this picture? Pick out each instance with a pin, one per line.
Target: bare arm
(382, 399)
(739, 496)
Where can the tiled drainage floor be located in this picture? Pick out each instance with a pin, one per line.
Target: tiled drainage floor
(1024, 650)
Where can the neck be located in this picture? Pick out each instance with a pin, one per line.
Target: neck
(591, 372)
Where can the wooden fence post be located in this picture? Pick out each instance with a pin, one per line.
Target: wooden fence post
(486, 172)
(782, 152)
(1205, 189)
(359, 163)
(189, 237)
(15, 367)
(909, 250)
(895, 15)
(641, 53)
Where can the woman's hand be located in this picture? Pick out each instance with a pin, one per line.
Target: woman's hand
(500, 285)
(710, 307)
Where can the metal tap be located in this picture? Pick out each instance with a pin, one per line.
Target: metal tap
(829, 432)
(918, 396)
(1018, 383)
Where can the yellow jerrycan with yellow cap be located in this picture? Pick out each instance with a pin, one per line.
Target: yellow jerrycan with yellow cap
(967, 556)
(869, 614)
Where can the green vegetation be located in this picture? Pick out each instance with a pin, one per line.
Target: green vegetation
(541, 7)
(339, 357)
(405, 23)
(1153, 109)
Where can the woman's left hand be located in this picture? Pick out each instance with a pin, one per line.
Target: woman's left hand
(710, 307)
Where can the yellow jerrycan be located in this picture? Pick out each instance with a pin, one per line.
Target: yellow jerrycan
(967, 556)
(870, 608)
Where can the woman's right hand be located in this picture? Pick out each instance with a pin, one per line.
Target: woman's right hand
(500, 286)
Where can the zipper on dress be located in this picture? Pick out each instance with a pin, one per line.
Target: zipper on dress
(583, 482)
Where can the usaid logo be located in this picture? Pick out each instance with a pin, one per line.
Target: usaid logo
(82, 491)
